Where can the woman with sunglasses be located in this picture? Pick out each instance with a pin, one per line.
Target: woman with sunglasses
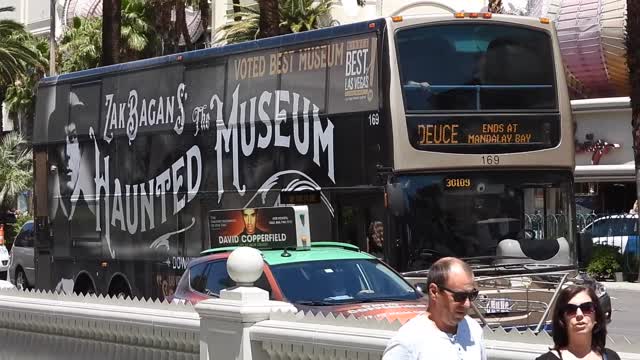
(579, 327)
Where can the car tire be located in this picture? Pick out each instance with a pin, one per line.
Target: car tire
(21, 280)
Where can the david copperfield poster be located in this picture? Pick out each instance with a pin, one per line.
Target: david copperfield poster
(256, 227)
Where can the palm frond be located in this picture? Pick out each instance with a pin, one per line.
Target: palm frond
(295, 16)
(16, 172)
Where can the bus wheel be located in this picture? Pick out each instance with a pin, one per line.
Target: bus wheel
(21, 280)
(119, 288)
(83, 286)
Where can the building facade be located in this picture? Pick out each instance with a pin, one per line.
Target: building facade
(34, 14)
(605, 168)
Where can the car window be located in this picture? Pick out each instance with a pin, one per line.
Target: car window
(198, 277)
(218, 278)
(28, 237)
(19, 241)
(613, 227)
(341, 281)
(25, 236)
(28, 226)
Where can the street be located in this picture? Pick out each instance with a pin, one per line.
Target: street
(625, 318)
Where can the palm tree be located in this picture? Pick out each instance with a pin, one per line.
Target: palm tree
(16, 57)
(136, 31)
(162, 12)
(16, 173)
(269, 20)
(633, 61)
(111, 18)
(20, 96)
(81, 46)
(181, 24)
(295, 16)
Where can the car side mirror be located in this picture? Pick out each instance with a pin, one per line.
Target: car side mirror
(422, 287)
(585, 248)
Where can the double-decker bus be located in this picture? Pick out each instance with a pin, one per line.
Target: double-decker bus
(412, 137)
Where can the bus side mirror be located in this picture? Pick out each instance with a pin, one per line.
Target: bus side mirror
(585, 248)
(395, 199)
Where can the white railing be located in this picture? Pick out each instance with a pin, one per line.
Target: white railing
(35, 325)
(243, 324)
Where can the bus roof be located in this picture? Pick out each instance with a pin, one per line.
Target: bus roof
(195, 55)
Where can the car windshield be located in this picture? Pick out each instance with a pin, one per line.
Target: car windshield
(484, 216)
(341, 281)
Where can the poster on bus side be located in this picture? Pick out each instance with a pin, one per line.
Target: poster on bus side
(261, 228)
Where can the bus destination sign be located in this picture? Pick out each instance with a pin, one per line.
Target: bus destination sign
(474, 134)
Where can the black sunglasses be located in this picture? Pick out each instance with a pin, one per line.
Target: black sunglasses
(462, 296)
(587, 308)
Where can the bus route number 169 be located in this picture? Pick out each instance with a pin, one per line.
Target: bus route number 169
(374, 119)
(490, 160)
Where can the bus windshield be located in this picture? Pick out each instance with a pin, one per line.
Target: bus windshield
(468, 215)
(476, 67)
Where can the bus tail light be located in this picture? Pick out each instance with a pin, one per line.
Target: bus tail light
(372, 25)
(396, 18)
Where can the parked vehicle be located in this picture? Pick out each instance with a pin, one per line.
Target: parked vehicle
(614, 230)
(22, 269)
(328, 277)
(4, 261)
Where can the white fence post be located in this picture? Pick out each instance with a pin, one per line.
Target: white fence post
(225, 322)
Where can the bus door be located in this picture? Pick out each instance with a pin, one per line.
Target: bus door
(362, 221)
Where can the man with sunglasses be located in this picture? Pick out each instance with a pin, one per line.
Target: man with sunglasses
(444, 331)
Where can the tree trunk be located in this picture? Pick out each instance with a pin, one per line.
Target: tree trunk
(111, 31)
(162, 25)
(203, 5)
(633, 61)
(269, 18)
(181, 24)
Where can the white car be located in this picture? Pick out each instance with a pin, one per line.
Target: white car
(22, 270)
(4, 260)
(614, 230)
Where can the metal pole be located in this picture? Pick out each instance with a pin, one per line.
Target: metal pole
(52, 38)
(551, 304)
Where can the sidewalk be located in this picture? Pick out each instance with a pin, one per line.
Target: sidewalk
(622, 285)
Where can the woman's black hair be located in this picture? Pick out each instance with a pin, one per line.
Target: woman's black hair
(560, 336)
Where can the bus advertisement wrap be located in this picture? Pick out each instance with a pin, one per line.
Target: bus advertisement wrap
(135, 152)
(271, 228)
